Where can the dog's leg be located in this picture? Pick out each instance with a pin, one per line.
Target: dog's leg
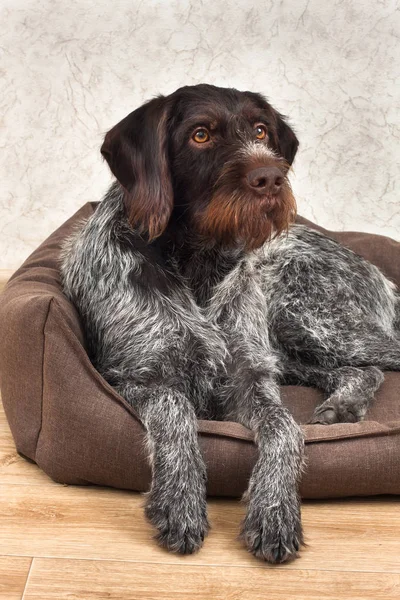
(349, 371)
(272, 526)
(381, 350)
(176, 503)
(250, 395)
(351, 389)
(353, 393)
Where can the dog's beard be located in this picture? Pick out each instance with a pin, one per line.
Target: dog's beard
(236, 217)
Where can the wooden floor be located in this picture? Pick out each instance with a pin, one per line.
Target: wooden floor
(82, 543)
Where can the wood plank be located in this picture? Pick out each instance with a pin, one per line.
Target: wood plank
(66, 579)
(13, 575)
(99, 523)
(14, 468)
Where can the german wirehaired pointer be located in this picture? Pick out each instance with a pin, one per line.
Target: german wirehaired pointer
(198, 298)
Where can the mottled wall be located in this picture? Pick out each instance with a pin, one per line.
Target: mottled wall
(71, 70)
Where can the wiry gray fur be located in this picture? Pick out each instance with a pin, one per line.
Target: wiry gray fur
(300, 309)
(333, 318)
(187, 321)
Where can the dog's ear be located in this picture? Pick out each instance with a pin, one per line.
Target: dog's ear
(136, 152)
(286, 140)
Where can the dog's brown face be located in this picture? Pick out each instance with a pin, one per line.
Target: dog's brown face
(214, 158)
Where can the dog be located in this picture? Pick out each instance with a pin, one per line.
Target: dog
(199, 297)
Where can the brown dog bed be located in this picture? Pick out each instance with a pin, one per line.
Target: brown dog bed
(65, 417)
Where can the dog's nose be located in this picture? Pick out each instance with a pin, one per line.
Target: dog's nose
(265, 180)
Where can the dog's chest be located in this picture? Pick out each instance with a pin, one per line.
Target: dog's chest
(204, 273)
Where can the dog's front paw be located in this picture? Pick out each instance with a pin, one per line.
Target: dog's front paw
(273, 533)
(182, 524)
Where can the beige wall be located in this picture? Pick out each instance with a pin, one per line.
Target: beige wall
(70, 70)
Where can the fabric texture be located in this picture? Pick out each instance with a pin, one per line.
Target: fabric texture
(69, 420)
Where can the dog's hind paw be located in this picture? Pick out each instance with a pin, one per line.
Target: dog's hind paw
(339, 410)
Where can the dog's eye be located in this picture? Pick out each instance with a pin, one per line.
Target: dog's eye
(261, 131)
(201, 135)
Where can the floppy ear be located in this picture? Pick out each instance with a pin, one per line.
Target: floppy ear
(136, 152)
(286, 140)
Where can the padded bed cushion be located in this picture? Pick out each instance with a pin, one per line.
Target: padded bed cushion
(65, 417)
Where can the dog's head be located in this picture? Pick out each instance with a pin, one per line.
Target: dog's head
(216, 158)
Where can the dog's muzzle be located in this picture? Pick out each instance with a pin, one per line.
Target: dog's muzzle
(251, 201)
